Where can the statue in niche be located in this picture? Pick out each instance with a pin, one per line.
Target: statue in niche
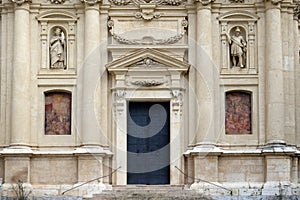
(58, 50)
(238, 48)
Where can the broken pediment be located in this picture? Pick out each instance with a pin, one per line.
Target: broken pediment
(148, 59)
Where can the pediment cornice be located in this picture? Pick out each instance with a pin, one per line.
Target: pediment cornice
(147, 58)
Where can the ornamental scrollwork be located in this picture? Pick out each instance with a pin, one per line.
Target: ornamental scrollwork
(57, 1)
(205, 2)
(20, 2)
(147, 15)
(90, 2)
(120, 2)
(177, 101)
(119, 97)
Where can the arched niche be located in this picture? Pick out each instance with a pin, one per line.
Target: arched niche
(48, 21)
(247, 22)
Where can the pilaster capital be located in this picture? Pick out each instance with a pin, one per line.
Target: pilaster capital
(91, 2)
(20, 2)
(204, 2)
(274, 2)
(297, 11)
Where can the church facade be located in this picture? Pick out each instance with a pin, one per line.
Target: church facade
(150, 92)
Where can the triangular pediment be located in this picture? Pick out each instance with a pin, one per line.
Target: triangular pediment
(147, 57)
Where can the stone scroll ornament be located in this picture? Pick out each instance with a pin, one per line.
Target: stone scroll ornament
(58, 50)
(238, 48)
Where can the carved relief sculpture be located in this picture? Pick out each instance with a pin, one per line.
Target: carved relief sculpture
(58, 50)
(238, 48)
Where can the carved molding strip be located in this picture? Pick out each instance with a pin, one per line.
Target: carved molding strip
(148, 83)
(237, 1)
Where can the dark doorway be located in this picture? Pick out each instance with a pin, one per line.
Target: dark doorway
(148, 138)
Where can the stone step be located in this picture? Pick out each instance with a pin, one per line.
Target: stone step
(139, 192)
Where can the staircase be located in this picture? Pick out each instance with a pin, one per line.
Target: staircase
(145, 192)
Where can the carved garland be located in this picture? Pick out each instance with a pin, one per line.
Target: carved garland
(150, 40)
(148, 83)
(157, 2)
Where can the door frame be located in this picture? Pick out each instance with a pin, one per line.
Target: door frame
(176, 134)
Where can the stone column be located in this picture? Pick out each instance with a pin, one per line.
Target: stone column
(205, 75)
(297, 75)
(20, 121)
(90, 72)
(274, 75)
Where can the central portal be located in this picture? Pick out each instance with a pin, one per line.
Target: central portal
(148, 143)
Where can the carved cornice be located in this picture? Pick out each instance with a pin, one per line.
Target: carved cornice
(20, 2)
(91, 2)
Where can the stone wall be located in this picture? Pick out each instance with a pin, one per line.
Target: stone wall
(241, 169)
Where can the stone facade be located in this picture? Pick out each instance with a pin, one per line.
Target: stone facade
(210, 60)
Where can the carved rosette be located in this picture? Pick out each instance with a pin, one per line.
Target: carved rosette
(21, 2)
(119, 101)
(177, 102)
